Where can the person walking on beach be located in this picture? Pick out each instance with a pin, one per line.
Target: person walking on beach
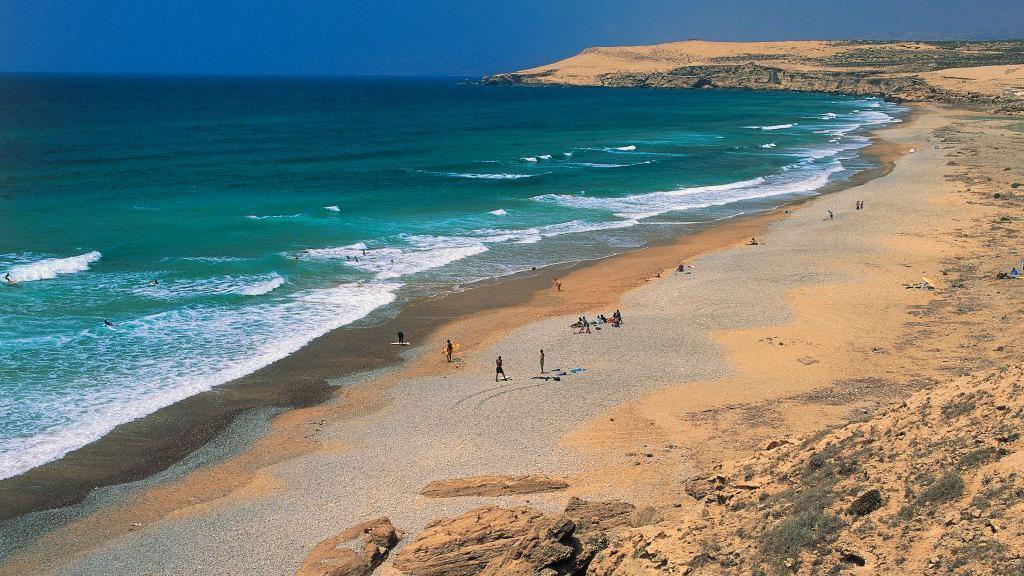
(541, 360)
(401, 337)
(558, 285)
(448, 351)
(498, 369)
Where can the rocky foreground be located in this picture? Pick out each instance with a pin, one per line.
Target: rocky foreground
(931, 485)
(986, 75)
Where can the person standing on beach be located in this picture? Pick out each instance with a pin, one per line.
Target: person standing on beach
(448, 350)
(558, 285)
(541, 360)
(498, 369)
(401, 337)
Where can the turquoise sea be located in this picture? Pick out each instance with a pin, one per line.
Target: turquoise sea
(271, 210)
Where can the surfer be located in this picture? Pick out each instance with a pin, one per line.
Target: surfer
(154, 282)
(8, 279)
(108, 323)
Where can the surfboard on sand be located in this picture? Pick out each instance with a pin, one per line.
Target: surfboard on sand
(399, 343)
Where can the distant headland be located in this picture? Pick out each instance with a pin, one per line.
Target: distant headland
(986, 75)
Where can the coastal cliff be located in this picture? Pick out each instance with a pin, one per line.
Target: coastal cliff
(988, 75)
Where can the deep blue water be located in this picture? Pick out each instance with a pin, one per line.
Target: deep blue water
(248, 201)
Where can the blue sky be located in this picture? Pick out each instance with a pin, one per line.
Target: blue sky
(457, 37)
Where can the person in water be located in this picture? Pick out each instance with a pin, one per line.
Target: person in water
(8, 279)
(154, 282)
(448, 351)
(108, 323)
(499, 369)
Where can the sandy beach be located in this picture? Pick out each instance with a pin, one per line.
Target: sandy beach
(810, 328)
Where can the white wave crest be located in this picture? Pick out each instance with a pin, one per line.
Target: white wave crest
(52, 267)
(530, 158)
(489, 176)
(263, 287)
(332, 208)
(171, 289)
(498, 212)
(544, 157)
(775, 127)
(272, 216)
(610, 165)
(801, 179)
(768, 145)
(186, 351)
(626, 148)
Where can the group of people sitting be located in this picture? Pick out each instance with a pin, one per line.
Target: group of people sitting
(582, 325)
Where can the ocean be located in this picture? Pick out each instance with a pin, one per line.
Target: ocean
(219, 224)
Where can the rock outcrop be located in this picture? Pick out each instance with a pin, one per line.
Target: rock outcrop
(357, 551)
(493, 541)
(493, 486)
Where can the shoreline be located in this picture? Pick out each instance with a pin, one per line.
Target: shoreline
(369, 450)
(152, 444)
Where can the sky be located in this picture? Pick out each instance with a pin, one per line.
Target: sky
(444, 37)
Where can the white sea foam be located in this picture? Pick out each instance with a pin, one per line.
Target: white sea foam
(544, 157)
(626, 148)
(874, 118)
(166, 357)
(768, 145)
(262, 287)
(52, 267)
(567, 154)
(610, 165)
(271, 216)
(389, 263)
(530, 158)
(803, 179)
(332, 208)
(503, 176)
(498, 212)
(171, 289)
(828, 116)
(775, 127)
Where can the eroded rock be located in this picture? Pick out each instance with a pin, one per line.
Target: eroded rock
(356, 551)
(493, 486)
(495, 541)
